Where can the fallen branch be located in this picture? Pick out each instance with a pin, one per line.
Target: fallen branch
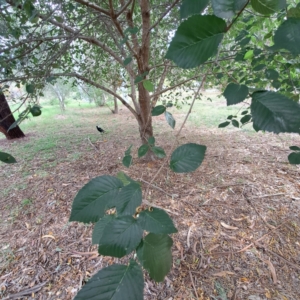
(25, 292)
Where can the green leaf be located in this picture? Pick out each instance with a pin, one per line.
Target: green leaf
(235, 93)
(159, 152)
(268, 35)
(59, 19)
(30, 88)
(51, 79)
(294, 158)
(294, 12)
(245, 112)
(244, 41)
(271, 74)
(151, 140)
(226, 9)
(35, 111)
(295, 148)
(132, 30)
(192, 7)
(276, 84)
(128, 151)
(274, 112)
(120, 236)
(99, 228)
(123, 41)
(127, 61)
(235, 123)
(259, 67)
(95, 198)
(196, 40)
(241, 35)
(268, 7)
(7, 158)
(156, 221)
(15, 124)
(245, 119)
(140, 77)
(249, 54)
(116, 282)
(169, 117)
(224, 124)
(124, 178)
(127, 161)
(129, 198)
(287, 36)
(155, 255)
(143, 150)
(187, 158)
(148, 85)
(158, 110)
(29, 8)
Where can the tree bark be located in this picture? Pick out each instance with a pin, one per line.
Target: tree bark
(116, 107)
(7, 119)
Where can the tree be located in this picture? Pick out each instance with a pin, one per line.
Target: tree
(7, 120)
(202, 39)
(104, 45)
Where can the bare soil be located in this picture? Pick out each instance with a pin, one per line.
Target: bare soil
(237, 217)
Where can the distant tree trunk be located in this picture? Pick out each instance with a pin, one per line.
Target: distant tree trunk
(7, 119)
(116, 107)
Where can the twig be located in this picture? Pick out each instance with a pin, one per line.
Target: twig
(265, 196)
(158, 188)
(257, 212)
(192, 104)
(92, 144)
(25, 292)
(192, 280)
(179, 131)
(188, 236)
(278, 255)
(250, 245)
(153, 205)
(85, 253)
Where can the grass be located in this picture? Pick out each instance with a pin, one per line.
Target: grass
(55, 133)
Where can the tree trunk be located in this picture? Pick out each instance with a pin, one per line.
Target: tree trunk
(145, 118)
(7, 119)
(116, 107)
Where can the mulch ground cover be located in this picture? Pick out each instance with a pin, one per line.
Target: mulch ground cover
(237, 216)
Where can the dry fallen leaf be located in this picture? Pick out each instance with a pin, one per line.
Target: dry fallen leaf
(223, 273)
(228, 226)
(272, 269)
(48, 236)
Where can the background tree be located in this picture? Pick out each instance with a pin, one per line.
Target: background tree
(7, 120)
(97, 43)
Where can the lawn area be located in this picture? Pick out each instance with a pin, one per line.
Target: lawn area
(237, 215)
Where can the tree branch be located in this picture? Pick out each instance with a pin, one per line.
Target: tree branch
(164, 14)
(123, 8)
(78, 76)
(40, 39)
(160, 84)
(174, 86)
(90, 40)
(94, 6)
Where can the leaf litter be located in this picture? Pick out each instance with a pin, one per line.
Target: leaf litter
(237, 217)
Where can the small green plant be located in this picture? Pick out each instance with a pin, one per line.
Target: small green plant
(26, 202)
(124, 225)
